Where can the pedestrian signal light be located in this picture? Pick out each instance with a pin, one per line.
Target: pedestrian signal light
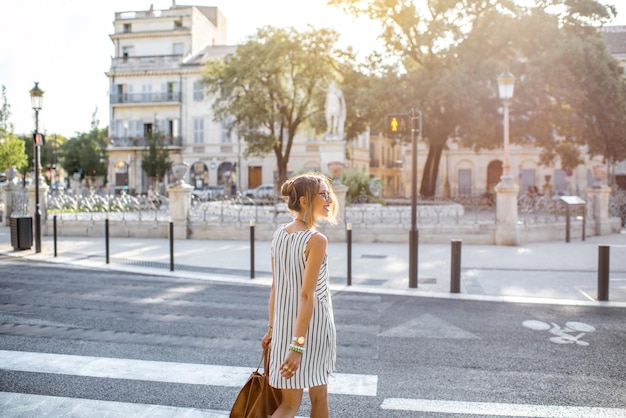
(39, 139)
(398, 124)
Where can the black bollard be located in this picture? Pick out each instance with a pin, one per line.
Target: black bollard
(106, 239)
(604, 252)
(252, 248)
(54, 232)
(171, 246)
(455, 266)
(349, 243)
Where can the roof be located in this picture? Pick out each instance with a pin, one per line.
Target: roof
(211, 52)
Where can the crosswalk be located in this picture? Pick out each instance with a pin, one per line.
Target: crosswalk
(19, 405)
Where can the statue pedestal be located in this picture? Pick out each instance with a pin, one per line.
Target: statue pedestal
(506, 213)
(332, 152)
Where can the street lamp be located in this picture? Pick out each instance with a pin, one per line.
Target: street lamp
(506, 86)
(36, 99)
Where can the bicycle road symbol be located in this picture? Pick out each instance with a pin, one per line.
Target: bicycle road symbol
(563, 335)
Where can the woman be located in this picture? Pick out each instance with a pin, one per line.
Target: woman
(301, 324)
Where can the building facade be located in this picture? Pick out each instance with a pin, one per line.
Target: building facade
(156, 86)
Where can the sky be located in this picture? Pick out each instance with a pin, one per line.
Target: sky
(65, 46)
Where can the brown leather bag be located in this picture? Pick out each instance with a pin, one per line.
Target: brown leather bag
(257, 399)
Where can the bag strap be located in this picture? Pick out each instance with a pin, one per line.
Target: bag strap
(266, 360)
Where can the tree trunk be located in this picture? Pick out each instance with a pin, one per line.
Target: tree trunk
(431, 170)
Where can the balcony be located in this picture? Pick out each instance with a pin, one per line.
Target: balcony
(145, 98)
(148, 62)
(141, 142)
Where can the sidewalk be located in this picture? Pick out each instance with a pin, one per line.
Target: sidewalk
(553, 273)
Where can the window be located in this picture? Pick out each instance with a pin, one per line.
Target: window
(225, 137)
(127, 51)
(146, 93)
(198, 91)
(198, 131)
(127, 27)
(178, 24)
(465, 182)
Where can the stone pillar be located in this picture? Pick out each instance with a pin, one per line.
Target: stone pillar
(43, 203)
(599, 198)
(506, 213)
(340, 190)
(179, 200)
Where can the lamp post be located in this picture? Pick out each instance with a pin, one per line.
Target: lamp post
(414, 114)
(506, 86)
(36, 99)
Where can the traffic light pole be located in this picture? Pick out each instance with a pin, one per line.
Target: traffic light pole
(414, 233)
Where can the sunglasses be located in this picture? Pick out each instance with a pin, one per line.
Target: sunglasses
(326, 196)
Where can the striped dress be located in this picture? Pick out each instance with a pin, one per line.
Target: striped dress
(318, 360)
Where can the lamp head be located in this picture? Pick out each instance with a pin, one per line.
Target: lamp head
(36, 97)
(506, 85)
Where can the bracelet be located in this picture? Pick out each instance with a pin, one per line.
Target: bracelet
(296, 348)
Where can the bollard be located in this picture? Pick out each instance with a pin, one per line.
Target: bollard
(349, 244)
(604, 252)
(567, 223)
(54, 233)
(106, 239)
(171, 246)
(455, 266)
(252, 248)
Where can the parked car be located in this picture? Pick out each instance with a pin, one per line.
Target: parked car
(208, 193)
(263, 191)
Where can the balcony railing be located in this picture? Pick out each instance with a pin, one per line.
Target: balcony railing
(166, 97)
(142, 142)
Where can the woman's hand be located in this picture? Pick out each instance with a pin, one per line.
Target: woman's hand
(290, 364)
(267, 339)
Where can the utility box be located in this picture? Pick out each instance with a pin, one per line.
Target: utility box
(21, 232)
(573, 202)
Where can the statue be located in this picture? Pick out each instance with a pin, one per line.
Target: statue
(335, 110)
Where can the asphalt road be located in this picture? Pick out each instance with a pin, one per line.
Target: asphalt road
(398, 356)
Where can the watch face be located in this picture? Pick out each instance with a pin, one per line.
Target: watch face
(300, 340)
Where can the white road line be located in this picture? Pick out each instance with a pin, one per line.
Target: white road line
(502, 409)
(161, 371)
(18, 405)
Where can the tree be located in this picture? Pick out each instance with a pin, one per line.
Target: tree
(85, 154)
(12, 152)
(272, 86)
(156, 158)
(452, 51)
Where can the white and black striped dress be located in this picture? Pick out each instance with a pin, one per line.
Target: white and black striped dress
(318, 360)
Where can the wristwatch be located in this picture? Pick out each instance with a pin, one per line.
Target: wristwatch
(298, 340)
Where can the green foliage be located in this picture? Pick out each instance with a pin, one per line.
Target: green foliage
(156, 158)
(272, 86)
(12, 153)
(85, 154)
(358, 183)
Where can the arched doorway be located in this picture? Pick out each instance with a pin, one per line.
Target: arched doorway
(494, 172)
(226, 177)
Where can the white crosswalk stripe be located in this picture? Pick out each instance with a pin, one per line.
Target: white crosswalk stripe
(500, 409)
(159, 371)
